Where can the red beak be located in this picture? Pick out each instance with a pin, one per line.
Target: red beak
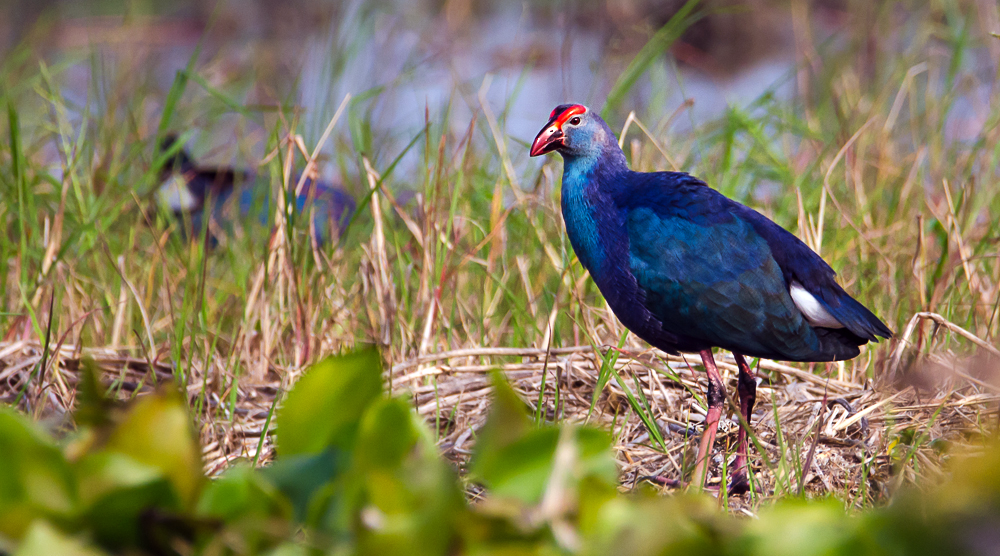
(548, 139)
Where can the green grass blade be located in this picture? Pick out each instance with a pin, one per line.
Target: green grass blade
(607, 367)
(653, 49)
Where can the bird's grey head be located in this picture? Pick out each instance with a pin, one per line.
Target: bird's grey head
(574, 131)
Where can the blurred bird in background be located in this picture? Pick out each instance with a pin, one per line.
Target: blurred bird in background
(192, 193)
(688, 269)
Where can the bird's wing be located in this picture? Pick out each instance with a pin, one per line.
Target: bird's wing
(681, 195)
(801, 265)
(715, 279)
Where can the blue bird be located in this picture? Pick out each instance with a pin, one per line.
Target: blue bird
(187, 190)
(687, 269)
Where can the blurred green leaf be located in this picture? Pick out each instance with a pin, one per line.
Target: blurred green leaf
(388, 435)
(35, 479)
(595, 457)
(512, 457)
(410, 501)
(801, 528)
(640, 525)
(252, 508)
(291, 549)
(325, 406)
(242, 491)
(119, 518)
(517, 460)
(798, 528)
(42, 539)
(157, 432)
(104, 472)
(507, 421)
(519, 469)
(118, 490)
(302, 477)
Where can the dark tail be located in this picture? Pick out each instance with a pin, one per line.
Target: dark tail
(857, 318)
(838, 344)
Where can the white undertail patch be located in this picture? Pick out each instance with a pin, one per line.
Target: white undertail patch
(175, 195)
(810, 307)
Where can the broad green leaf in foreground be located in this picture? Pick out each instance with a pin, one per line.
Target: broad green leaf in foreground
(35, 479)
(798, 528)
(407, 494)
(651, 524)
(256, 510)
(157, 432)
(116, 490)
(325, 407)
(138, 468)
(42, 539)
(515, 459)
(302, 477)
(511, 457)
(241, 491)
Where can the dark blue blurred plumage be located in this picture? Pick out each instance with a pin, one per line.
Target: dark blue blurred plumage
(687, 269)
(187, 190)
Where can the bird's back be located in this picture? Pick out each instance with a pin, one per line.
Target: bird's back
(699, 270)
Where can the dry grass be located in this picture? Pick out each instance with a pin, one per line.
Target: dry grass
(849, 427)
(474, 273)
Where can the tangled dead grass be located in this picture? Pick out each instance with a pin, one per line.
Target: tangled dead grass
(857, 430)
(827, 432)
(908, 227)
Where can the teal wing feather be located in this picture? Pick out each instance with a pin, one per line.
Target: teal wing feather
(717, 282)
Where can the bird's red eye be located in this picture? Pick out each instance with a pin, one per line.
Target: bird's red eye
(575, 121)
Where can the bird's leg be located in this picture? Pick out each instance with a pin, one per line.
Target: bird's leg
(716, 398)
(747, 390)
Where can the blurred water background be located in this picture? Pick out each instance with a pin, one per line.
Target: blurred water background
(505, 60)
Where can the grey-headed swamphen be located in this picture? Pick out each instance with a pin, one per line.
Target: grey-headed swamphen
(688, 269)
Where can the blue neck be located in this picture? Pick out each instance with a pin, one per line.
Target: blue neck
(588, 207)
(599, 169)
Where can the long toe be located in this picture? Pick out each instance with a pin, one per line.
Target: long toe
(662, 481)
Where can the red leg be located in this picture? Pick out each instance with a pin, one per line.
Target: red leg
(747, 390)
(716, 399)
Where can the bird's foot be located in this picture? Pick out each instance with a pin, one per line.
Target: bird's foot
(677, 484)
(739, 483)
(662, 481)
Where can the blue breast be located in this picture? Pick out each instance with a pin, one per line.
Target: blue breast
(581, 223)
